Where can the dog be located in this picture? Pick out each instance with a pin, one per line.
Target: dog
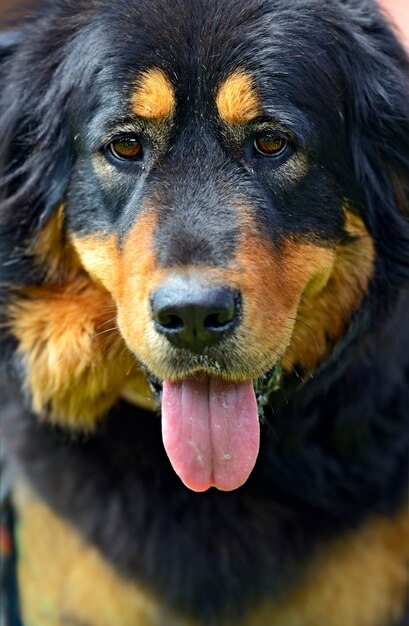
(204, 240)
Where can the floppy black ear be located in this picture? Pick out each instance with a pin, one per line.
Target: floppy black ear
(35, 152)
(376, 71)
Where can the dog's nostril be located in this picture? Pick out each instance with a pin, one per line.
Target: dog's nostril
(167, 320)
(192, 316)
(220, 319)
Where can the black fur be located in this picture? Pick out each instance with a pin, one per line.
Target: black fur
(335, 445)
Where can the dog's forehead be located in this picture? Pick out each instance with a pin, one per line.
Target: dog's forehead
(234, 57)
(236, 97)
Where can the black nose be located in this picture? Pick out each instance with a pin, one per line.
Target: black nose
(193, 316)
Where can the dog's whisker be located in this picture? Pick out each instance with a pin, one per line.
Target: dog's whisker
(306, 326)
(106, 307)
(112, 319)
(107, 330)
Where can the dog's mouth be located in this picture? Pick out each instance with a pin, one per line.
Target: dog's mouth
(211, 428)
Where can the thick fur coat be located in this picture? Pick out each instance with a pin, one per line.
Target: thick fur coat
(204, 230)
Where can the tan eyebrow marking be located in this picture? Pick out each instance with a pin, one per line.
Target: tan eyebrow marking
(237, 100)
(154, 97)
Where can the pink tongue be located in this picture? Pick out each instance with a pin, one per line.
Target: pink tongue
(210, 431)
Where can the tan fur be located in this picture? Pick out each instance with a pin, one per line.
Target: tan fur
(65, 582)
(272, 283)
(77, 363)
(322, 317)
(154, 97)
(130, 278)
(100, 258)
(237, 101)
(360, 580)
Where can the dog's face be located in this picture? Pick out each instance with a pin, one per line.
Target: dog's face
(192, 219)
(206, 194)
(212, 226)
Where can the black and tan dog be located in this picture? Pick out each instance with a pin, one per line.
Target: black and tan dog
(205, 205)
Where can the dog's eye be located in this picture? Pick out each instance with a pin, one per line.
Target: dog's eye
(268, 143)
(126, 148)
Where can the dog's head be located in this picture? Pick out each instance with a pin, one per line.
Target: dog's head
(206, 190)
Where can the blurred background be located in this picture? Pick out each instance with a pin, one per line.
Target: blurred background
(399, 13)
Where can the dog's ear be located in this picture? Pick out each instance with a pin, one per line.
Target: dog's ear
(376, 74)
(35, 150)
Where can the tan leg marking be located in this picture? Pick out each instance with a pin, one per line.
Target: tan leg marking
(360, 580)
(63, 580)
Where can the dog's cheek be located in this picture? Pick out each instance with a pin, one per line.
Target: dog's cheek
(323, 315)
(130, 275)
(99, 257)
(140, 276)
(272, 280)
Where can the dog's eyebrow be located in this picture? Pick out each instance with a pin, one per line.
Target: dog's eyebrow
(237, 101)
(154, 96)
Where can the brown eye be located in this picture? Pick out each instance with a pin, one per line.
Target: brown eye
(269, 144)
(126, 148)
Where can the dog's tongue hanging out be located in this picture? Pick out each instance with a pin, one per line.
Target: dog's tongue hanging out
(210, 431)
